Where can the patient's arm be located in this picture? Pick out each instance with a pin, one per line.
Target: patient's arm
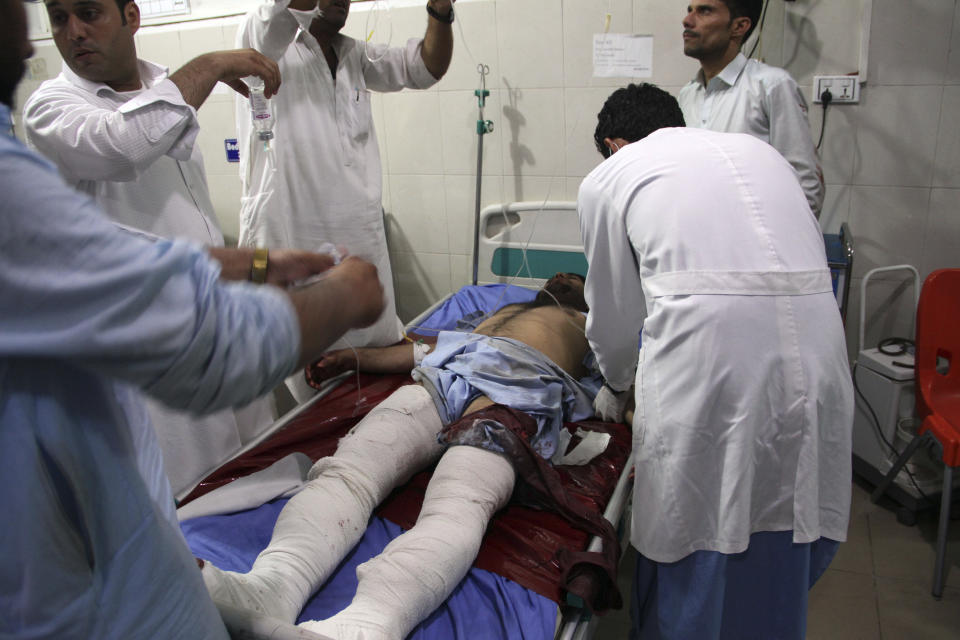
(396, 358)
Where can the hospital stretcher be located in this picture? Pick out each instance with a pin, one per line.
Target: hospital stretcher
(513, 590)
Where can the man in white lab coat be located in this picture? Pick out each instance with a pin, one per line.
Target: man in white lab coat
(703, 243)
(731, 93)
(123, 131)
(321, 179)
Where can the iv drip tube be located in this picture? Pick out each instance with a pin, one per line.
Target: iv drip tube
(483, 127)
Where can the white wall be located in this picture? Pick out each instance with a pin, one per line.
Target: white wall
(892, 162)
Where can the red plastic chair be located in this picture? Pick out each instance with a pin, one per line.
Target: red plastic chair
(938, 393)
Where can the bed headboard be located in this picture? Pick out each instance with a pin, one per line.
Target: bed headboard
(550, 232)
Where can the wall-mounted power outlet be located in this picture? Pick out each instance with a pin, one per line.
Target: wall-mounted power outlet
(844, 89)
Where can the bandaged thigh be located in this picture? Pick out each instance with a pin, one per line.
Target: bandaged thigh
(417, 571)
(395, 440)
(320, 525)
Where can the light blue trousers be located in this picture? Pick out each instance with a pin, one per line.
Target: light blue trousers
(760, 593)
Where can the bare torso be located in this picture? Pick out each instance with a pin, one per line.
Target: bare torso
(556, 332)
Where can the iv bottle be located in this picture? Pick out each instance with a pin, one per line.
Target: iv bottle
(261, 110)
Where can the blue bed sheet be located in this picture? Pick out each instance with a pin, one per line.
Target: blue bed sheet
(484, 606)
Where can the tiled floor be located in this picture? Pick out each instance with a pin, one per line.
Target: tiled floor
(877, 588)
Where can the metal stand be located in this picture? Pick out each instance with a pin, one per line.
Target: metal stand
(945, 496)
(901, 461)
(938, 572)
(483, 127)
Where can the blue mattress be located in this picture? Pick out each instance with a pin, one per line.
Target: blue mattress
(483, 606)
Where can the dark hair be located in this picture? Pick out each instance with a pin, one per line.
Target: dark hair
(634, 112)
(560, 293)
(741, 9)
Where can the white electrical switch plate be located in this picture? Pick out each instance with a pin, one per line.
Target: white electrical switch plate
(845, 89)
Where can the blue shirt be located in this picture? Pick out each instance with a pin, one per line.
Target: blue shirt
(89, 313)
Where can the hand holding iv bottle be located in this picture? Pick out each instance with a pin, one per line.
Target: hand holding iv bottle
(261, 111)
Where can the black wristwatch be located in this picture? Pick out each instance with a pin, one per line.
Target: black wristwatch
(447, 19)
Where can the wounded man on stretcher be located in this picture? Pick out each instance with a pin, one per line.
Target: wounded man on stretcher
(504, 390)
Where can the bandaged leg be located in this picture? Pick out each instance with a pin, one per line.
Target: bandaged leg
(419, 569)
(323, 522)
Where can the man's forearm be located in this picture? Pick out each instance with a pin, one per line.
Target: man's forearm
(235, 264)
(437, 47)
(196, 80)
(396, 358)
(790, 135)
(66, 128)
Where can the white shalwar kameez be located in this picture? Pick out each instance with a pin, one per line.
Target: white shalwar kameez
(135, 154)
(744, 399)
(321, 179)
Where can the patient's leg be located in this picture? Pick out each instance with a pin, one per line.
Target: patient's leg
(419, 569)
(323, 522)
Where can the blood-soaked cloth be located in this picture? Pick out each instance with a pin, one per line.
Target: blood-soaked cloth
(588, 574)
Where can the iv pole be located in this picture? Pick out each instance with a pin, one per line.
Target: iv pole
(483, 127)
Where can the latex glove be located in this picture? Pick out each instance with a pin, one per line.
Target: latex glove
(609, 404)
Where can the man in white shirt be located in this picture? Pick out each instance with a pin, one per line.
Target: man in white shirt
(731, 93)
(123, 131)
(321, 179)
(701, 242)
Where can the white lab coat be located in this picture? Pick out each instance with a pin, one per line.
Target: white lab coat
(135, 154)
(743, 391)
(321, 182)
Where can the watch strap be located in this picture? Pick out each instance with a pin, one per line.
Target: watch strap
(447, 19)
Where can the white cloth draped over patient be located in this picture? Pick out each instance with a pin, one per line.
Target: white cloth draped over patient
(463, 366)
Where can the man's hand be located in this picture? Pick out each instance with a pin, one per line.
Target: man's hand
(609, 404)
(350, 296)
(231, 66)
(288, 266)
(331, 364)
(365, 291)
